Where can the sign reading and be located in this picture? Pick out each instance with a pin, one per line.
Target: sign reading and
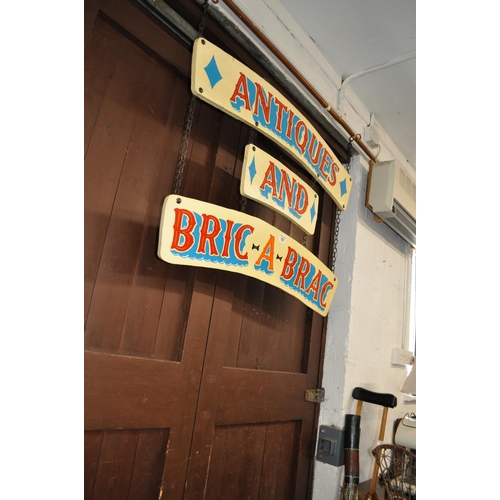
(227, 84)
(197, 233)
(266, 180)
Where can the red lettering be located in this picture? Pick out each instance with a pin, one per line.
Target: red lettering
(290, 261)
(302, 272)
(324, 291)
(324, 161)
(333, 171)
(314, 285)
(205, 235)
(184, 232)
(238, 236)
(267, 254)
(315, 156)
(291, 114)
(288, 189)
(270, 179)
(279, 114)
(243, 93)
(227, 238)
(260, 101)
(301, 194)
(301, 133)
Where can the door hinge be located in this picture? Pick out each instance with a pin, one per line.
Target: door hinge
(315, 395)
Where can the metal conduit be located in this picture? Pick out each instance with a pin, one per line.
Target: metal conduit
(353, 136)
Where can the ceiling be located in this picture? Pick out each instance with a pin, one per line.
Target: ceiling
(379, 36)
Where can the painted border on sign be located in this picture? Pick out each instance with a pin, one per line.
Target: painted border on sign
(196, 233)
(267, 181)
(227, 84)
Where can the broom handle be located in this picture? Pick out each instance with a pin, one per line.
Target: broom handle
(372, 494)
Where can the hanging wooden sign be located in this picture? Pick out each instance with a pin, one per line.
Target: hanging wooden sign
(267, 181)
(196, 233)
(227, 84)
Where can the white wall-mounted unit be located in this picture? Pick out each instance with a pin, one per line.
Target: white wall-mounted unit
(392, 196)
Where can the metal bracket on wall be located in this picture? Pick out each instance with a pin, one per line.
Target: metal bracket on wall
(315, 395)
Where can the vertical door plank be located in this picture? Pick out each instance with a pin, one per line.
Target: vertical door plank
(269, 351)
(288, 461)
(92, 444)
(115, 465)
(146, 296)
(235, 457)
(98, 72)
(235, 324)
(252, 471)
(175, 307)
(203, 435)
(107, 152)
(248, 351)
(217, 460)
(174, 476)
(123, 240)
(148, 464)
(271, 461)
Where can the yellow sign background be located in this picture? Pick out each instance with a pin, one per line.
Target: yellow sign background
(266, 180)
(227, 84)
(196, 233)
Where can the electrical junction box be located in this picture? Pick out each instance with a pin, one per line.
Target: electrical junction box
(330, 445)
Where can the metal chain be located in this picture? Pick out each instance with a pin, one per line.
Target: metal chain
(201, 27)
(337, 216)
(184, 145)
(188, 122)
(243, 201)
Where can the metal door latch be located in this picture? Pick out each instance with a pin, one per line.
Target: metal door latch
(315, 395)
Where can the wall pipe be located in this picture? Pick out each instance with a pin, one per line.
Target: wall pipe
(352, 135)
(352, 77)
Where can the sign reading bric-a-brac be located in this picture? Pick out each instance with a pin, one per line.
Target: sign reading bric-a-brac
(269, 182)
(227, 84)
(196, 233)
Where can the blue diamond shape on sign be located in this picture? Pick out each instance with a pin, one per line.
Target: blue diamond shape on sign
(313, 211)
(343, 187)
(252, 170)
(213, 72)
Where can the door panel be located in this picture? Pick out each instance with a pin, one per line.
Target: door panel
(128, 463)
(194, 378)
(253, 461)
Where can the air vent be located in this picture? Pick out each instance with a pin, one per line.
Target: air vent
(392, 196)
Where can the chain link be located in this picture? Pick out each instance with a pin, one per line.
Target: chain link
(201, 27)
(188, 122)
(184, 145)
(337, 221)
(243, 201)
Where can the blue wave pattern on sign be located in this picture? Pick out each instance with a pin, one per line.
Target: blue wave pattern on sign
(271, 114)
(196, 253)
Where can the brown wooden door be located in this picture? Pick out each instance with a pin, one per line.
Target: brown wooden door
(194, 378)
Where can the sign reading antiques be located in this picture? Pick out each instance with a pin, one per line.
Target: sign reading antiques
(225, 83)
(267, 181)
(197, 233)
